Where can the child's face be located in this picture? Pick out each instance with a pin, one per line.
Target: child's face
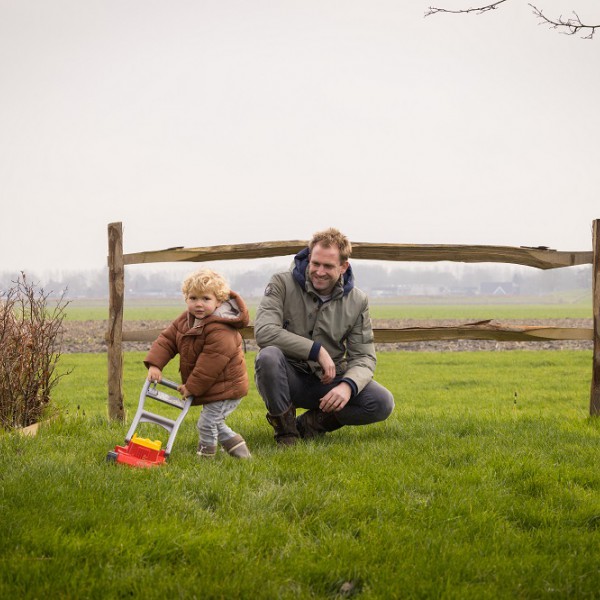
(202, 304)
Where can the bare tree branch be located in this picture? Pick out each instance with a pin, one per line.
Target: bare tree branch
(479, 9)
(570, 26)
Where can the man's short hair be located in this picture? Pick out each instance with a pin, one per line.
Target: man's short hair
(332, 237)
(206, 280)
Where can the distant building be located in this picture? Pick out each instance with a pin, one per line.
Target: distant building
(414, 289)
(464, 290)
(498, 288)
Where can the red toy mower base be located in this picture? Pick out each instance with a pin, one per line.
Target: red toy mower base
(138, 454)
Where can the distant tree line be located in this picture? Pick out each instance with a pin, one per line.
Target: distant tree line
(378, 279)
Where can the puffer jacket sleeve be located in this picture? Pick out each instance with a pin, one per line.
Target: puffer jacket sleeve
(360, 350)
(163, 349)
(220, 346)
(268, 324)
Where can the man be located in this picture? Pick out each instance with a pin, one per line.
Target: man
(316, 346)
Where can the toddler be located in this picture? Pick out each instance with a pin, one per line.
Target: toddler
(211, 358)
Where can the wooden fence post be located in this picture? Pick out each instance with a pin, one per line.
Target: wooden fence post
(595, 393)
(116, 290)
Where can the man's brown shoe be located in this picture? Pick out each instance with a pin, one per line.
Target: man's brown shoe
(286, 432)
(316, 423)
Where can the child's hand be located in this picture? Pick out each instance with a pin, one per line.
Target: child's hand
(154, 374)
(183, 391)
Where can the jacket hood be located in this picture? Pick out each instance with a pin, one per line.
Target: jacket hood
(228, 310)
(300, 267)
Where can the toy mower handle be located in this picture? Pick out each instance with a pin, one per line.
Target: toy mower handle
(169, 383)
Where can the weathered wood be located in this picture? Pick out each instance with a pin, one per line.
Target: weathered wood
(116, 289)
(541, 258)
(33, 430)
(238, 251)
(30, 430)
(482, 330)
(595, 389)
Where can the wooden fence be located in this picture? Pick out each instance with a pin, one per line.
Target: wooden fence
(538, 257)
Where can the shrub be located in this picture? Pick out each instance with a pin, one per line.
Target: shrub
(30, 338)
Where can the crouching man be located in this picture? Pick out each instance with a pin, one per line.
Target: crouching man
(316, 346)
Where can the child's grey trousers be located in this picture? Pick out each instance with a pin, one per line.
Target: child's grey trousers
(211, 424)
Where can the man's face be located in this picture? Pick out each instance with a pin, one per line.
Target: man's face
(325, 268)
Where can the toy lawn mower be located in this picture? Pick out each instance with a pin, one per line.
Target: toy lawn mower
(142, 452)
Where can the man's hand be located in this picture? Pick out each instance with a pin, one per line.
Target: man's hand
(327, 365)
(336, 399)
(154, 374)
(183, 391)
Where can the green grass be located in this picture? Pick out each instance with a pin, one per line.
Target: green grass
(466, 491)
(134, 310)
(467, 312)
(523, 309)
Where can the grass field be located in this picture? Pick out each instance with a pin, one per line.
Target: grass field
(515, 308)
(482, 484)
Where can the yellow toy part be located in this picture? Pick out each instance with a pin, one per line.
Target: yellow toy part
(153, 445)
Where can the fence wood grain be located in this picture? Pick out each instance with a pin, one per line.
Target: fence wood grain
(595, 390)
(482, 330)
(116, 292)
(540, 258)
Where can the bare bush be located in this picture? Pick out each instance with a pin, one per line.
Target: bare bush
(30, 343)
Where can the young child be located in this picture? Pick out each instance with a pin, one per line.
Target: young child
(211, 358)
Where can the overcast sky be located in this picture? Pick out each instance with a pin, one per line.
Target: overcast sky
(198, 123)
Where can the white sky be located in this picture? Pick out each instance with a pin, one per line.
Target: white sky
(215, 122)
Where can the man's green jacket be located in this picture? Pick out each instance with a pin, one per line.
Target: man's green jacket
(292, 317)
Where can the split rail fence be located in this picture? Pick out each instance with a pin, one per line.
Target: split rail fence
(538, 257)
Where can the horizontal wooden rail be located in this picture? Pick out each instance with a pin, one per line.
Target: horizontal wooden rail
(540, 258)
(482, 330)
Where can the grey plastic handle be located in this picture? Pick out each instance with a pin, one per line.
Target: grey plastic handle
(169, 383)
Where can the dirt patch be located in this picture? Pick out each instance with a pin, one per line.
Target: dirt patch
(89, 336)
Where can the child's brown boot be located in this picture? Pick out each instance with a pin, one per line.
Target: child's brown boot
(206, 451)
(236, 447)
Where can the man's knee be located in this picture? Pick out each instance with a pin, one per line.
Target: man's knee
(269, 359)
(386, 405)
(270, 376)
(383, 402)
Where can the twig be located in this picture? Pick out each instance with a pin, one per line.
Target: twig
(570, 26)
(479, 9)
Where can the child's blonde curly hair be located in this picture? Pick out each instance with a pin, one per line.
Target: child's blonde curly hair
(206, 280)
